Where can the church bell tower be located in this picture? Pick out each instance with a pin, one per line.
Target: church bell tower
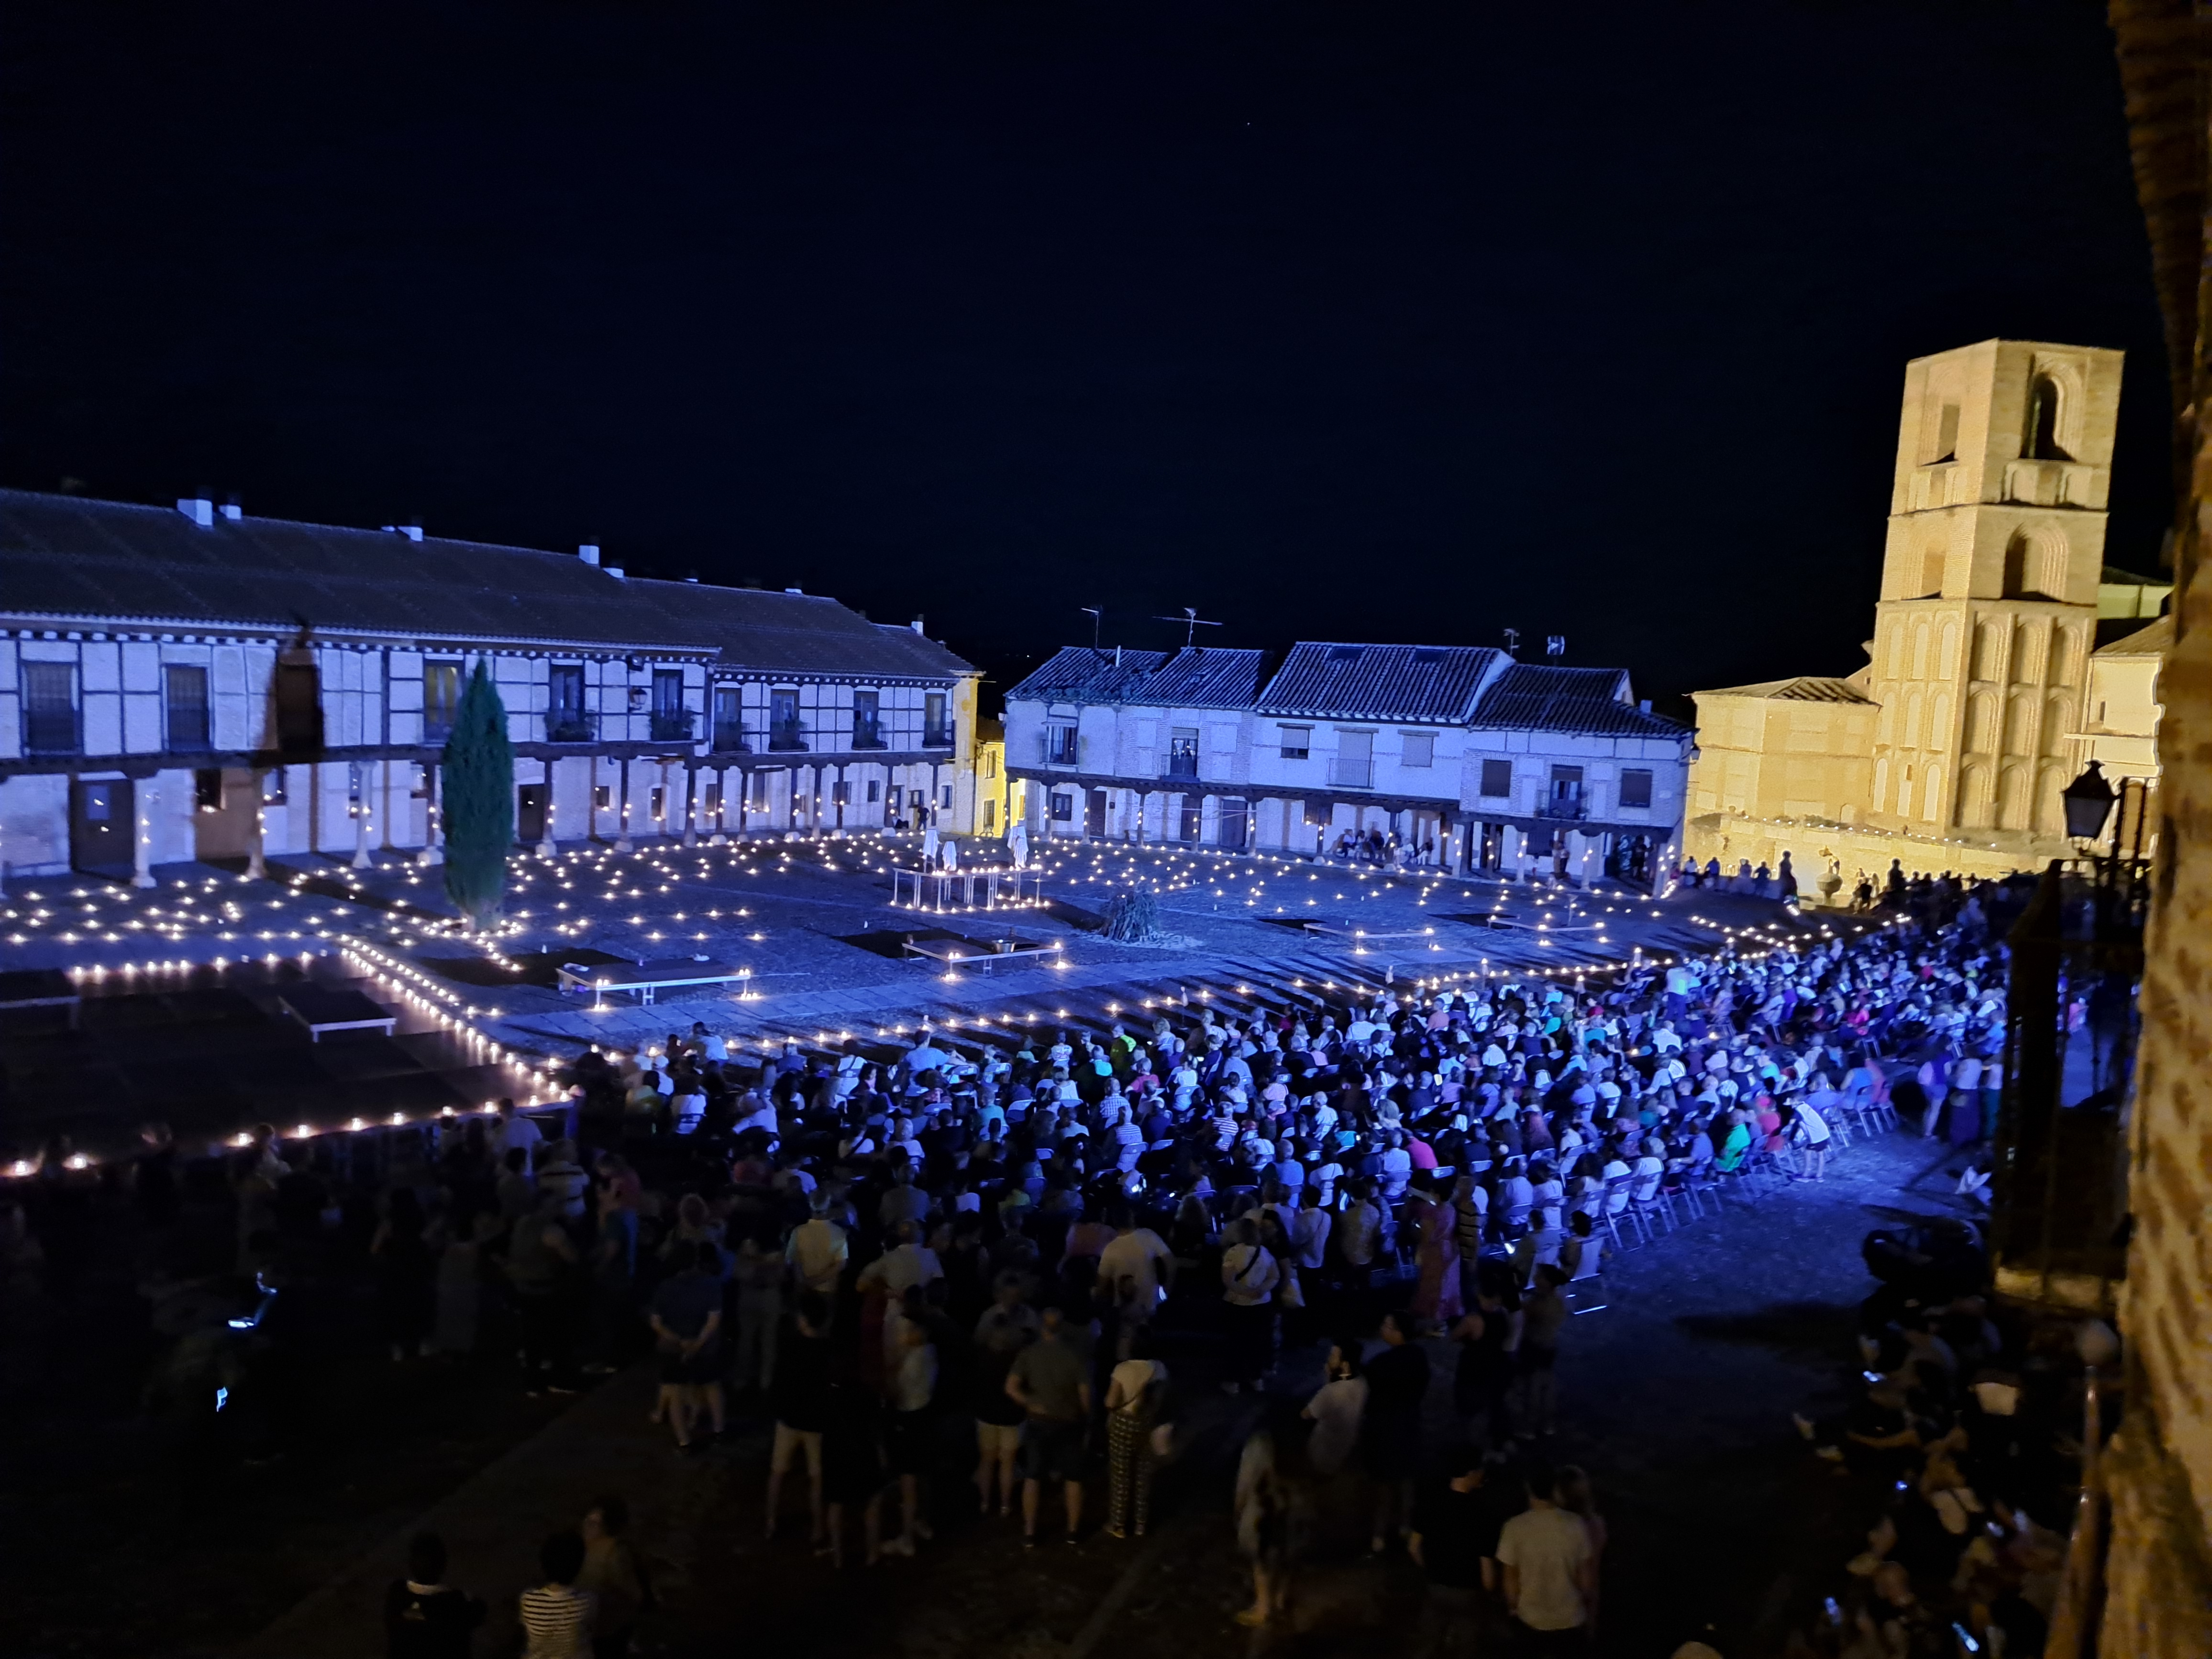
(1989, 587)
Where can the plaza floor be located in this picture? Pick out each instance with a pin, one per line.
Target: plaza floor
(178, 1006)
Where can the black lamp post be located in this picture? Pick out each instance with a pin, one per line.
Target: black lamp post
(2088, 801)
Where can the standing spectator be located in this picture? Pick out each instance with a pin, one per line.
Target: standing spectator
(758, 1277)
(1249, 1275)
(1335, 1411)
(1454, 1543)
(1397, 1387)
(686, 1320)
(1049, 1380)
(1542, 1318)
(541, 1261)
(1550, 1570)
(1007, 1325)
(1135, 1392)
(798, 1397)
(907, 1438)
(424, 1617)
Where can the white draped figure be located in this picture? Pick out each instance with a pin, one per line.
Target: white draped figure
(952, 854)
(1018, 844)
(929, 845)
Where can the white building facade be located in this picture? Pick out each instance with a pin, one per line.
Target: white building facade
(1474, 761)
(198, 683)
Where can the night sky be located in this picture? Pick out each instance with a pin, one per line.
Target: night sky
(1354, 321)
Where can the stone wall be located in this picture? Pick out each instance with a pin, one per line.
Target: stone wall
(2159, 1572)
(1729, 836)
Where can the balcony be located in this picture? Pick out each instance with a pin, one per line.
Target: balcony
(937, 737)
(1184, 767)
(563, 724)
(436, 728)
(868, 734)
(673, 724)
(785, 737)
(1565, 808)
(1060, 746)
(729, 738)
(1352, 774)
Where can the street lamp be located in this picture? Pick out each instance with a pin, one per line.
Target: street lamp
(2088, 800)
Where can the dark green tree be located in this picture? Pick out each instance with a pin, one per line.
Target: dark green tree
(478, 792)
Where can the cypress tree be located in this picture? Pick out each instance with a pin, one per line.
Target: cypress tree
(478, 792)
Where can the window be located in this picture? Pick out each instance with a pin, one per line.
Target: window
(1420, 749)
(990, 817)
(945, 796)
(783, 720)
(1946, 435)
(1566, 799)
(2045, 412)
(657, 804)
(1298, 742)
(710, 799)
(1635, 788)
(356, 782)
(207, 789)
(272, 787)
(50, 708)
(672, 720)
(841, 794)
(936, 729)
(1931, 571)
(1497, 779)
(566, 721)
(1354, 767)
(1183, 753)
(603, 797)
(729, 734)
(185, 692)
(1059, 746)
(868, 729)
(299, 689)
(441, 700)
(757, 789)
(1063, 806)
(875, 791)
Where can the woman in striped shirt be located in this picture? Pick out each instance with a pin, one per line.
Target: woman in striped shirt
(556, 1617)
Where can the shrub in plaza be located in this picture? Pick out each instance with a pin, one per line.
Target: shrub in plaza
(478, 791)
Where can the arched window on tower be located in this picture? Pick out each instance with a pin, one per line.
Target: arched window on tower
(2043, 414)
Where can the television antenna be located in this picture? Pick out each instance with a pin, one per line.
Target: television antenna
(1555, 645)
(1512, 641)
(1098, 615)
(1192, 622)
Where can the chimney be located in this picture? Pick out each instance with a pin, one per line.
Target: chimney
(916, 625)
(614, 570)
(198, 508)
(1645, 703)
(800, 591)
(1117, 656)
(589, 552)
(412, 531)
(231, 511)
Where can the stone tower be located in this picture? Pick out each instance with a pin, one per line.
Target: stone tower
(1989, 585)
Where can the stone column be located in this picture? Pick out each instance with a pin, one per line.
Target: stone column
(546, 846)
(432, 829)
(257, 863)
(622, 842)
(362, 810)
(690, 804)
(143, 798)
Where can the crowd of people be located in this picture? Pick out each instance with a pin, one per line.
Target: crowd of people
(950, 1278)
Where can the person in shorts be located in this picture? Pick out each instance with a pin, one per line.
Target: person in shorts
(1050, 1381)
(852, 1469)
(687, 1324)
(1008, 1326)
(798, 1395)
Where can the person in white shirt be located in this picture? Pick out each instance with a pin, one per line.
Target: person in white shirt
(1550, 1570)
(909, 1263)
(1137, 1254)
(514, 1130)
(1397, 1167)
(1310, 1230)
(1249, 1276)
(817, 1249)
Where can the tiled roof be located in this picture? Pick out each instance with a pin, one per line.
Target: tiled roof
(1196, 677)
(1429, 683)
(66, 558)
(1805, 688)
(1537, 697)
(2153, 640)
(790, 633)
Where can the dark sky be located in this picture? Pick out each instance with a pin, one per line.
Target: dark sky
(1405, 321)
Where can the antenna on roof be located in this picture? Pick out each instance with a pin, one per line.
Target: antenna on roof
(1098, 615)
(1555, 645)
(1512, 641)
(1192, 622)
